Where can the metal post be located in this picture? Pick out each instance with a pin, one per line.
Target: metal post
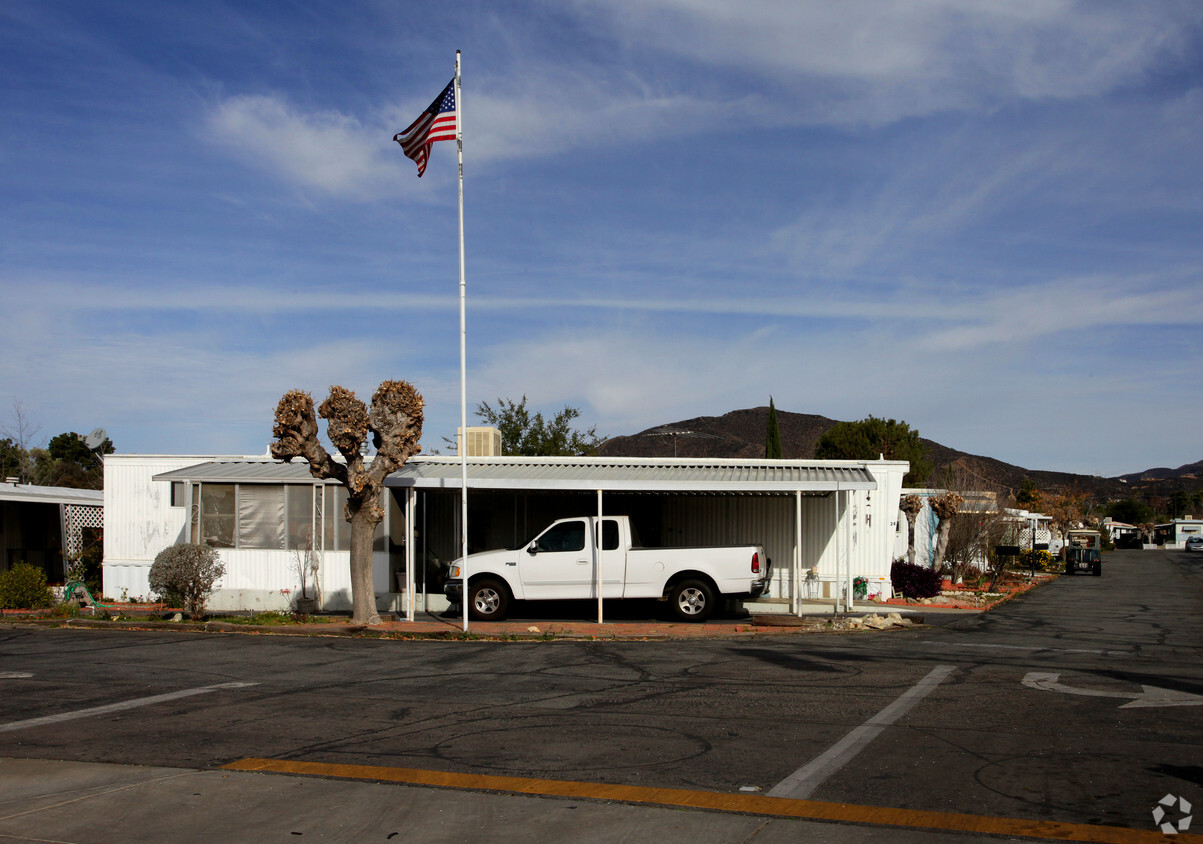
(835, 499)
(598, 539)
(410, 556)
(797, 578)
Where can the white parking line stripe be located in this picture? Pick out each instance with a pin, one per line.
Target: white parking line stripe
(117, 707)
(802, 782)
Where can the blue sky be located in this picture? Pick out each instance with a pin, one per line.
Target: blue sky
(981, 217)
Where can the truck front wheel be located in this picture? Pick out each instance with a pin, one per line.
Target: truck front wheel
(692, 600)
(488, 600)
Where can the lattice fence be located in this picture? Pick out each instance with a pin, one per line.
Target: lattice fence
(78, 517)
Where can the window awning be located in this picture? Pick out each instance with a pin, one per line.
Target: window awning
(242, 472)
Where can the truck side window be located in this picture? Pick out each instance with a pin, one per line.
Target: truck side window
(568, 536)
(609, 535)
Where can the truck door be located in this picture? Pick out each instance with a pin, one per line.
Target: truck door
(558, 564)
(613, 557)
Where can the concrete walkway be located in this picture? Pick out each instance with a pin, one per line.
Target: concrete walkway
(97, 803)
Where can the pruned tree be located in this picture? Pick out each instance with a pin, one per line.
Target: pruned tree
(910, 507)
(945, 506)
(395, 423)
(977, 523)
(1147, 530)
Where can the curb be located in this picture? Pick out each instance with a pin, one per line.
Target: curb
(754, 628)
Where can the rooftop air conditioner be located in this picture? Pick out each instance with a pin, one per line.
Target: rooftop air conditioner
(481, 442)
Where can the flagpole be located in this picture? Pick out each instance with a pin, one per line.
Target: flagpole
(434, 124)
(463, 355)
(463, 350)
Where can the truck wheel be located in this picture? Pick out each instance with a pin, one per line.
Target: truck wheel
(488, 600)
(1098, 570)
(692, 600)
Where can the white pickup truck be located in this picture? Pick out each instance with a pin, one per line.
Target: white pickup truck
(559, 564)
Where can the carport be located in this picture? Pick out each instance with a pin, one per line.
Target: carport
(808, 514)
(45, 526)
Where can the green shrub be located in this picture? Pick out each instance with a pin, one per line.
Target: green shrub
(188, 571)
(23, 587)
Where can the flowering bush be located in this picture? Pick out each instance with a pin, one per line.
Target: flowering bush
(1037, 560)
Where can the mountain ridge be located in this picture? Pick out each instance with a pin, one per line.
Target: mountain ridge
(740, 434)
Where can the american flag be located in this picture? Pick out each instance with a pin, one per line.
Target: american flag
(437, 123)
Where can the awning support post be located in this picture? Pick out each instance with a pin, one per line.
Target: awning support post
(409, 554)
(797, 561)
(598, 535)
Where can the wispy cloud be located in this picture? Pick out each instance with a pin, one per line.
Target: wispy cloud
(326, 150)
(1081, 307)
(873, 62)
(969, 316)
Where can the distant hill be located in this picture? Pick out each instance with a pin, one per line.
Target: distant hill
(740, 434)
(1191, 471)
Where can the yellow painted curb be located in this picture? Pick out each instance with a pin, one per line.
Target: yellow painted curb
(755, 804)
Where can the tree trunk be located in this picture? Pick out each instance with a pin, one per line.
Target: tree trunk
(363, 590)
(942, 530)
(910, 537)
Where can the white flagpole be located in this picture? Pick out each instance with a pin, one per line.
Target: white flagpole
(463, 350)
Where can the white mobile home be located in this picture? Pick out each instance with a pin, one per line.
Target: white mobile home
(266, 517)
(822, 522)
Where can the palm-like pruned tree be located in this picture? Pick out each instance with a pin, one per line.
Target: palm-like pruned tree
(945, 506)
(395, 422)
(910, 507)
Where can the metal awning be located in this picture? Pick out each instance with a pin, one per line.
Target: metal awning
(568, 474)
(243, 472)
(32, 494)
(589, 474)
